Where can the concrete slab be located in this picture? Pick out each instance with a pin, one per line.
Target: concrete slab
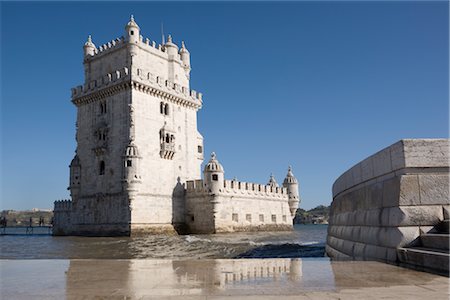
(215, 279)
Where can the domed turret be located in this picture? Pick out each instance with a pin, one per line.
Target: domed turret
(185, 56)
(131, 159)
(272, 182)
(89, 47)
(171, 48)
(75, 177)
(291, 183)
(132, 31)
(213, 174)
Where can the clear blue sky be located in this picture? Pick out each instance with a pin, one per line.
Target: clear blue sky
(318, 85)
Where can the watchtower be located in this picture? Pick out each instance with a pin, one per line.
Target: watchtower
(137, 137)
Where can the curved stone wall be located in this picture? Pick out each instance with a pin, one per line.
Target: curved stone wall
(386, 201)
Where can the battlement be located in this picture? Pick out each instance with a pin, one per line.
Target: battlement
(62, 205)
(141, 76)
(232, 186)
(145, 44)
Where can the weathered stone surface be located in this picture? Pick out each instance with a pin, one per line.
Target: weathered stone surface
(426, 152)
(434, 189)
(391, 192)
(397, 198)
(409, 190)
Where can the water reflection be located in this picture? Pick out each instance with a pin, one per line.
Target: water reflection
(139, 278)
(155, 279)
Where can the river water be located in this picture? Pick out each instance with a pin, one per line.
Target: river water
(303, 241)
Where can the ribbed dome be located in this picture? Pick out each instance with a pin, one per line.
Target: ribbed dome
(89, 42)
(170, 43)
(290, 178)
(75, 161)
(131, 150)
(213, 165)
(183, 48)
(132, 23)
(272, 182)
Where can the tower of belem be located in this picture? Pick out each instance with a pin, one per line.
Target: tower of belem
(137, 165)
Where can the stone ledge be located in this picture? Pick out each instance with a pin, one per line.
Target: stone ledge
(407, 153)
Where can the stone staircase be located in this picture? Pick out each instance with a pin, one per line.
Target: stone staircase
(431, 253)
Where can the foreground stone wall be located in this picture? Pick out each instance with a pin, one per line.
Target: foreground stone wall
(387, 200)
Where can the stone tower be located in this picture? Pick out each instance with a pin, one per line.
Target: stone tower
(137, 138)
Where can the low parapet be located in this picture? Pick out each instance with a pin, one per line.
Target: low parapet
(101, 82)
(62, 205)
(233, 186)
(147, 77)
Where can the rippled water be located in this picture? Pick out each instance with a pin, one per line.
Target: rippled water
(304, 241)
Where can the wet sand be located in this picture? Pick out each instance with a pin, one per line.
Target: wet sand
(299, 278)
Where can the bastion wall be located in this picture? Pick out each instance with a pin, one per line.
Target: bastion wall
(387, 200)
(238, 206)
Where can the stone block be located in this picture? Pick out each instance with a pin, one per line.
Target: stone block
(360, 217)
(374, 195)
(391, 254)
(375, 252)
(434, 189)
(347, 247)
(367, 169)
(391, 192)
(373, 217)
(356, 174)
(409, 190)
(358, 250)
(393, 237)
(426, 152)
(412, 215)
(397, 157)
(382, 162)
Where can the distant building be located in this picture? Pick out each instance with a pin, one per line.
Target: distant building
(139, 153)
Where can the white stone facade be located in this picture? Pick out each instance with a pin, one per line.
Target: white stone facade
(138, 145)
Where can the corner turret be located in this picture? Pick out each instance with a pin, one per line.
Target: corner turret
(131, 174)
(171, 48)
(132, 31)
(75, 174)
(185, 58)
(272, 182)
(213, 175)
(89, 47)
(291, 183)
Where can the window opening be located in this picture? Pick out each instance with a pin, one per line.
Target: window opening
(102, 168)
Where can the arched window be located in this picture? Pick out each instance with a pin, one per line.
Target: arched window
(215, 177)
(102, 168)
(161, 108)
(167, 138)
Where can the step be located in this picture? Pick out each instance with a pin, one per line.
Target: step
(429, 259)
(444, 226)
(435, 240)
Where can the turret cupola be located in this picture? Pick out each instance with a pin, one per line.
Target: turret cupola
(171, 48)
(185, 56)
(89, 47)
(272, 182)
(213, 175)
(291, 184)
(131, 175)
(75, 177)
(132, 31)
